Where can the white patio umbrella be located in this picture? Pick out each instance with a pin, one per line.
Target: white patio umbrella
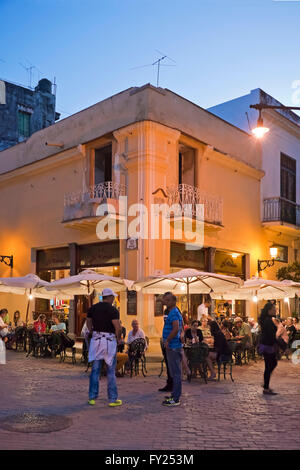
(31, 285)
(89, 280)
(261, 289)
(188, 281)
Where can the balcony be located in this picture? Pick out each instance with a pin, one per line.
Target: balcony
(282, 215)
(80, 207)
(187, 197)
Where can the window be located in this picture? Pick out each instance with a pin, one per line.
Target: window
(282, 253)
(288, 188)
(24, 124)
(131, 302)
(288, 178)
(103, 164)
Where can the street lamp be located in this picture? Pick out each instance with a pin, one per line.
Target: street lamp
(267, 263)
(260, 130)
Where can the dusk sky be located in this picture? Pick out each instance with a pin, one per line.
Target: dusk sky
(222, 48)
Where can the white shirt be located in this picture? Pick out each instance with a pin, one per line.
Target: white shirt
(202, 310)
(4, 331)
(132, 337)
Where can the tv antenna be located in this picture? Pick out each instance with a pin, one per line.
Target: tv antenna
(29, 69)
(158, 64)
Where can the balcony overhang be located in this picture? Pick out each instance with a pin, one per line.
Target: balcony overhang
(81, 209)
(282, 227)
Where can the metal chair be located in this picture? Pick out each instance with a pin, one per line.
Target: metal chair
(136, 355)
(196, 356)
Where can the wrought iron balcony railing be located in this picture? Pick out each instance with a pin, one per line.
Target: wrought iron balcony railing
(187, 197)
(101, 191)
(83, 204)
(281, 210)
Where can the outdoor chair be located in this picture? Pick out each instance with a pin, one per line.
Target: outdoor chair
(20, 338)
(136, 355)
(226, 362)
(37, 345)
(67, 342)
(196, 356)
(163, 358)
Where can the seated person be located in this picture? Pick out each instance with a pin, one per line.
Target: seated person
(55, 330)
(204, 327)
(243, 332)
(225, 328)
(291, 329)
(5, 334)
(194, 334)
(39, 326)
(135, 333)
(59, 324)
(17, 322)
(121, 345)
(221, 348)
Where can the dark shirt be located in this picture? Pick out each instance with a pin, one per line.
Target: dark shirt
(268, 332)
(188, 334)
(220, 345)
(102, 315)
(123, 332)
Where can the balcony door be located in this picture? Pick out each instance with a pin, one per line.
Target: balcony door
(288, 188)
(103, 165)
(186, 166)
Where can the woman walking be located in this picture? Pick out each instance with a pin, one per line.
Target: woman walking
(268, 345)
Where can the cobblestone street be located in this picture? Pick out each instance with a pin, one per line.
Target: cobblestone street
(221, 415)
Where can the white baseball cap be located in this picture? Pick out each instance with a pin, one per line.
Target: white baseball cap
(107, 292)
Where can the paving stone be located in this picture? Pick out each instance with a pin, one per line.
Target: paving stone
(222, 415)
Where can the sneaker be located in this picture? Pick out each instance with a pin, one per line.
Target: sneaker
(91, 402)
(115, 403)
(168, 397)
(171, 402)
(165, 389)
(268, 391)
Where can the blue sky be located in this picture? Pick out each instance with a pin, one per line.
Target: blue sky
(222, 48)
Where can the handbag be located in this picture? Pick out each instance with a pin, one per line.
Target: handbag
(2, 352)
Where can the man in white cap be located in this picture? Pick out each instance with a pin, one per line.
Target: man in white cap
(103, 322)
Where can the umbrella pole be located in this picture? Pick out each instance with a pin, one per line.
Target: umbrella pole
(89, 295)
(188, 298)
(27, 310)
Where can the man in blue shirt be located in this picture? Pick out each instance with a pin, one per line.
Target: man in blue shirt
(171, 338)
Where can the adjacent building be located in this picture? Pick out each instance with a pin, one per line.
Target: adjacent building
(24, 111)
(154, 147)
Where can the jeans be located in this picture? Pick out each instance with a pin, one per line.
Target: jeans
(112, 391)
(169, 378)
(174, 357)
(270, 364)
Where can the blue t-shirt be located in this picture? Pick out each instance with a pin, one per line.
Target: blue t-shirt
(173, 315)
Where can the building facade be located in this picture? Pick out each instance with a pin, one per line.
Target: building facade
(151, 146)
(24, 111)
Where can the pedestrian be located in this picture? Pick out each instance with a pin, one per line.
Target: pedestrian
(103, 322)
(267, 346)
(171, 337)
(169, 385)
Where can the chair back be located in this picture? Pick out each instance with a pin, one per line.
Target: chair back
(137, 347)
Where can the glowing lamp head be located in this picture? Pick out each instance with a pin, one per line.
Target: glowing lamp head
(30, 297)
(286, 299)
(182, 287)
(273, 251)
(255, 298)
(234, 255)
(260, 130)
